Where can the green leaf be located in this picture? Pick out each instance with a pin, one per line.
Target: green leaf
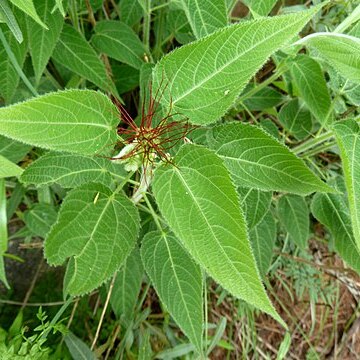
(331, 210)
(199, 201)
(119, 41)
(296, 119)
(255, 204)
(77, 348)
(3, 231)
(347, 134)
(13, 150)
(69, 170)
(75, 53)
(204, 78)
(177, 280)
(340, 50)
(8, 75)
(265, 98)
(8, 168)
(97, 229)
(28, 8)
(10, 20)
(127, 287)
(294, 214)
(131, 11)
(78, 121)
(260, 7)
(256, 160)
(40, 218)
(310, 81)
(41, 41)
(205, 16)
(262, 239)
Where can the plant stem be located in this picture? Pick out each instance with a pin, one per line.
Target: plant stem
(146, 26)
(309, 144)
(103, 312)
(16, 65)
(57, 317)
(153, 213)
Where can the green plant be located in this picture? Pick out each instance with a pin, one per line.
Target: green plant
(137, 199)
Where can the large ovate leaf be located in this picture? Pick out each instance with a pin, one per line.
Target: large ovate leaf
(205, 16)
(8, 75)
(347, 135)
(42, 41)
(255, 204)
(120, 42)
(260, 7)
(8, 168)
(75, 53)
(262, 238)
(199, 201)
(310, 82)
(340, 50)
(27, 6)
(331, 210)
(177, 280)
(294, 214)
(265, 98)
(78, 121)
(97, 230)
(127, 287)
(69, 170)
(256, 160)
(201, 80)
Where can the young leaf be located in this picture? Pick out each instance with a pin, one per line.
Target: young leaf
(340, 50)
(331, 210)
(199, 201)
(13, 150)
(10, 20)
(97, 229)
(8, 168)
(310, 81)
(119, 41)
(75, 53)
(264, 99)
(77, 348)
(296, 119)
(28, 8)
(40, 218)
(294, 214)
(262, 7)
(262, 239)
(127, 287)
(255, 204)
(131, 12)
(8, 75)
(256, 160)
(177, 280)
(69, 170)
(78, 121)
(204, 78)
(42, 41)
(205, 16)
(347, 135)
